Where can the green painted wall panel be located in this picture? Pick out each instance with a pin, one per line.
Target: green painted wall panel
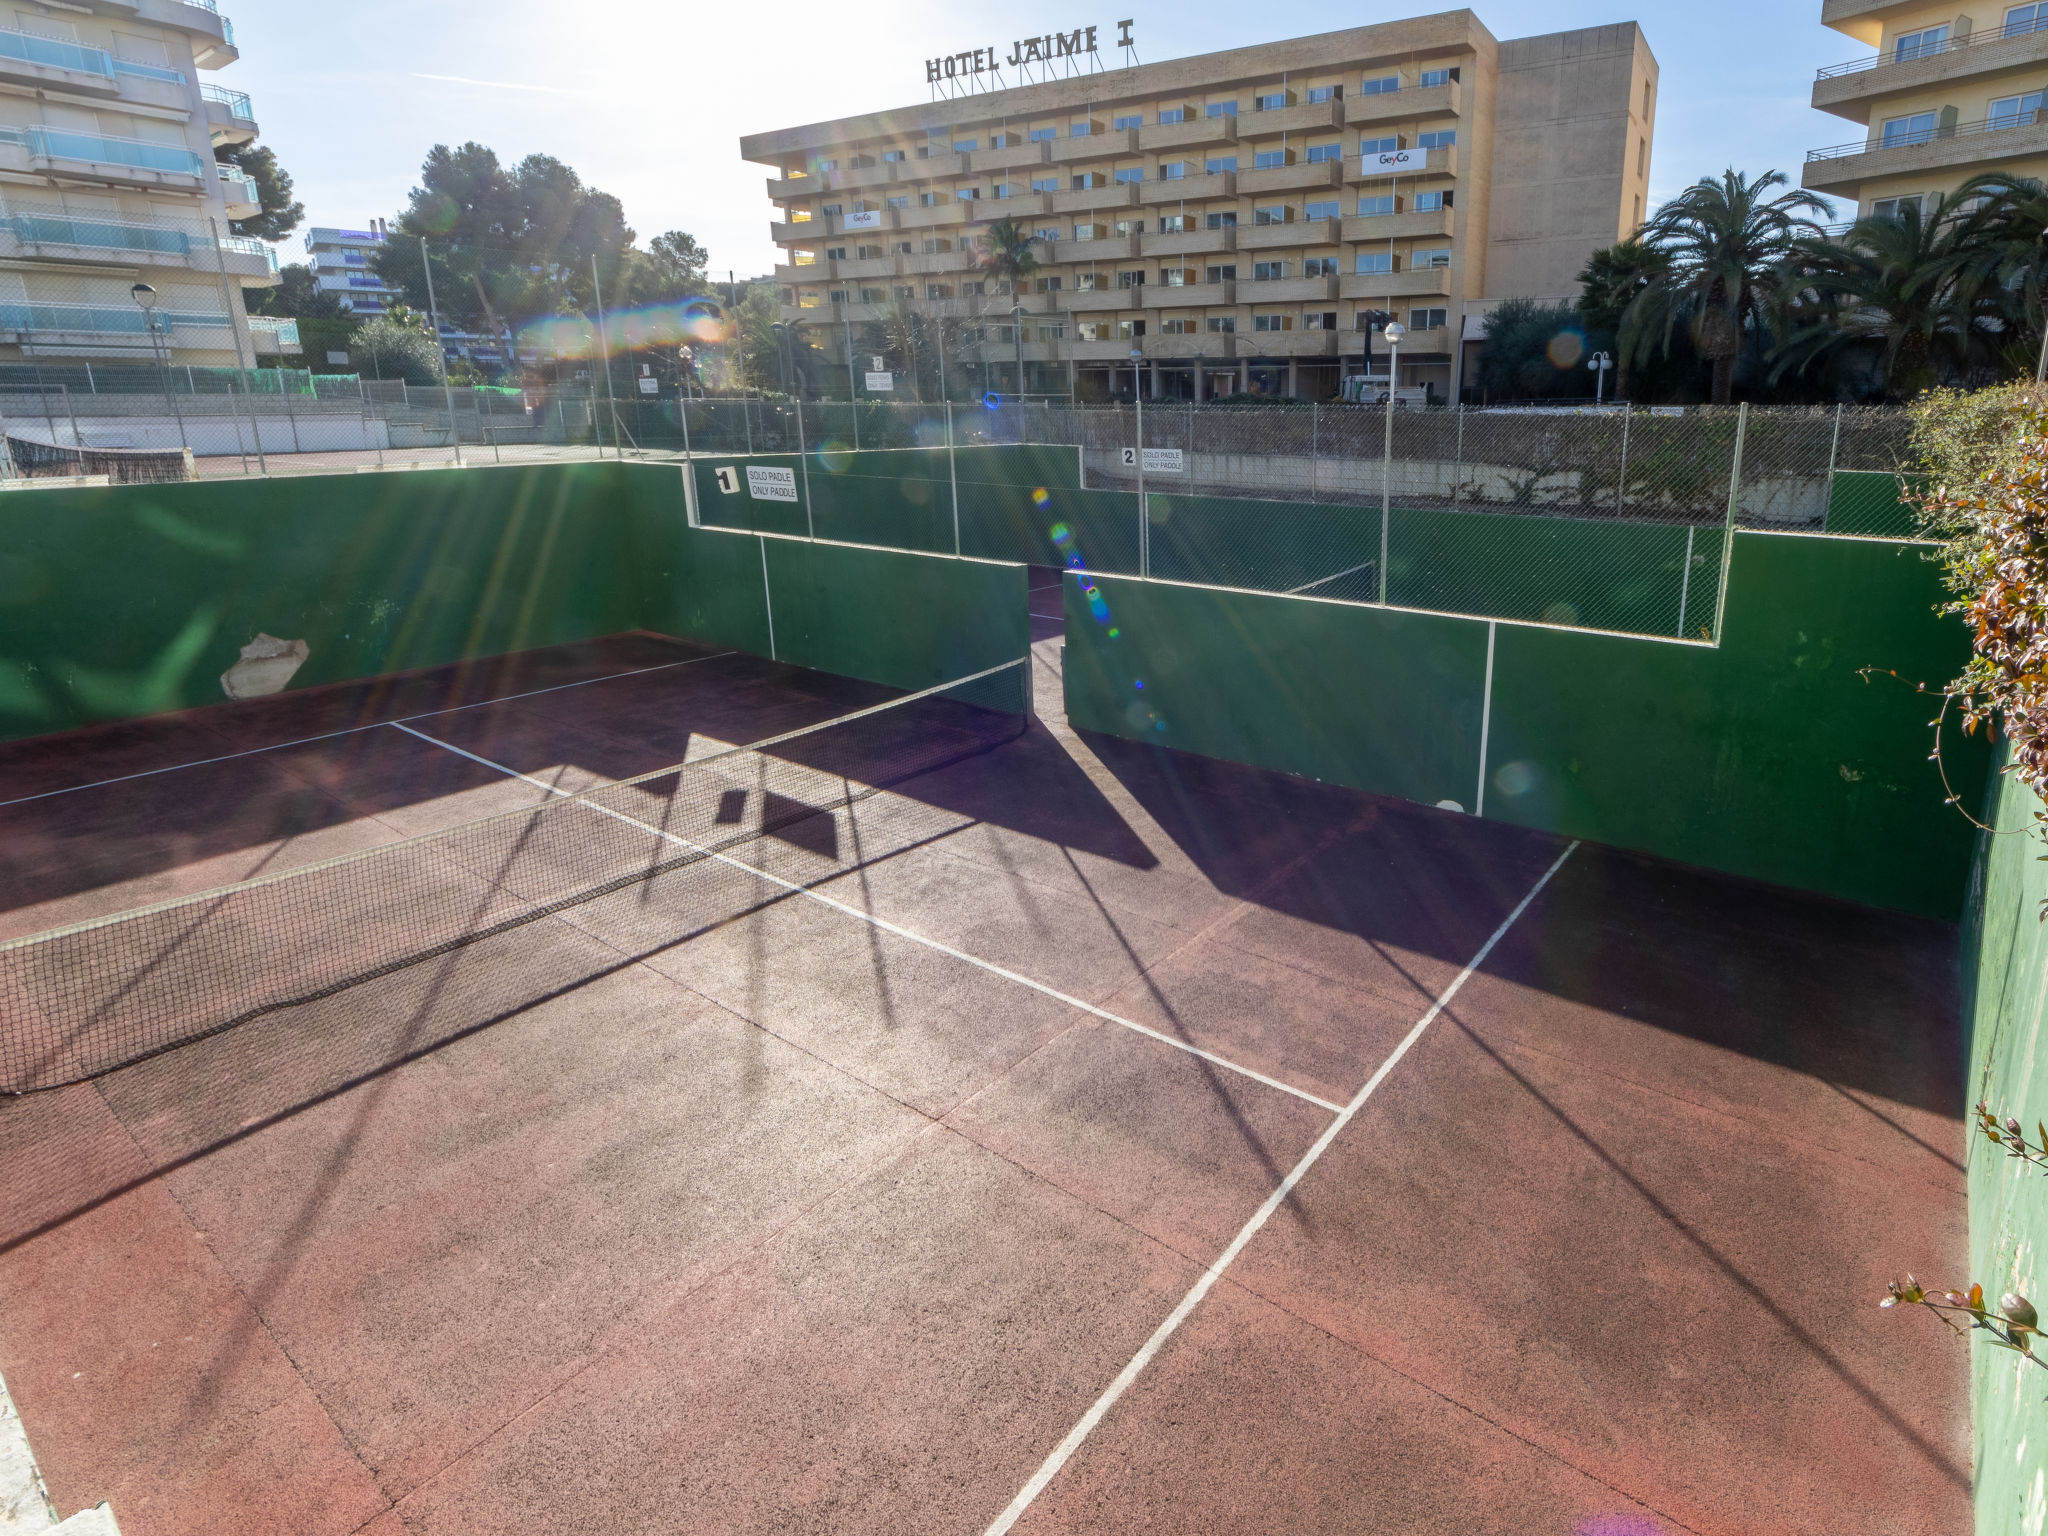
(1372, 698)
(1866, 501)
(116, 601)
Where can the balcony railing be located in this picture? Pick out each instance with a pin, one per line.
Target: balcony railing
(1915, 51)
(238, 182)
(104, 149)
(103, 320)
(1917, 137)
(127, 236)
(237, 102)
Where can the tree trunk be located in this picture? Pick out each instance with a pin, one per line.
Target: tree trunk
(1724, 379)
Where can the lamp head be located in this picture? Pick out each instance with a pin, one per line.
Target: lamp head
(1396, 333)
(143, 294)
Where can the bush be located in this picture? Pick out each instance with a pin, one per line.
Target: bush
(385, 349)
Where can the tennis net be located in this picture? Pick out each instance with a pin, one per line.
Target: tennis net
(80, 1001)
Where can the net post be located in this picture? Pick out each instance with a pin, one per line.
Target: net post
(953, 473)
(1728, 531)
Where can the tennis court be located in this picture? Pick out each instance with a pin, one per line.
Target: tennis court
(937, 1119)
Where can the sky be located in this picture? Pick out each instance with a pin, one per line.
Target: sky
(647, 99)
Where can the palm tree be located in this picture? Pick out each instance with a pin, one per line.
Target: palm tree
(2002, 271)
(1888, 286)
(1006, 254)
(1723, 239)
(1608, 284)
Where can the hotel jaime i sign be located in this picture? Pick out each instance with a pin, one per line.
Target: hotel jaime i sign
(1038, 57)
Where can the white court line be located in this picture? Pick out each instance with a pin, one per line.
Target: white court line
(1322, 580)
(355, 730)
(795, 888)
(1066, 1448)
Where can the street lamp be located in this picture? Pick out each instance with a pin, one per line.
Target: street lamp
(145, 296)
(1599, 362)
(1395, 333)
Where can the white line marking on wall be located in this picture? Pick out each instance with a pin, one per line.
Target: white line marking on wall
(797, 889)
(1485, 720)
(1325, 580)
(1101, 1406)
(767, 602)
(356, 730)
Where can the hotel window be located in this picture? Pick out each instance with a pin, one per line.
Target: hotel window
(860, 162)
(1329, 208)
(902, 247)
(1380, 86)
(1272, 159)
(825, 165)
(1377, 206)
(1272, 322)
(1221, 325)
(1432, 202)
(1045, 183)
(2022, 19)
(1080, 130)
(902, 201)
(838, 296)
(1227, 220)
(1002, 140)
(1431, 77)
(1130, 226)
(1215, 165)
(1223, 274)
(1916, 129)
(1173, 114)
(1089, 180)
(1326, 321)
(1002, 191)
(905, 291)
(1220, 109)
(1179, 325)
(1421, 259)
(1006, 332)
(1428, 319)
(929, 200)
(1040, 135)
(1173, 277)
(803, 258)
(1319, 266)
(1049, 284)
(1268, 271)
(938, 290)
(1129, 330)
(873, 296)
(1173, 170)
(1049, 234)
(968, 194)
(1174, 224)
(830, 210)
(892, 156)
(1374, 261)
(1318, 94)
(965, 146)
(799, 215)
(1057, 331)
(1090, 232)
(937, 247)
(1130, 173)
(1320, 153)
(1441, 138)
(1088, 282)
(867, 252)
(1371, 147)
(1272, 101)
(1278, 214)
(1921, 44)
(1130, 120)
(1091, 330)
(1893, 207)
(2015, 111)
(1130, 279)
(971, 290)
(835, 253)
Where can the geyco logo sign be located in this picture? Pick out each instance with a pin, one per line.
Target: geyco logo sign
(1044, 49)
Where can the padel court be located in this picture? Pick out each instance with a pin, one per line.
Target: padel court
(640, 1084)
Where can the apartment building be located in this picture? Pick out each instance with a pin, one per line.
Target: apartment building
(108, 181)
(343, 263)
(1950, 92)
(1243, 221)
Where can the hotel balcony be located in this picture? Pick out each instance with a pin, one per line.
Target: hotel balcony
(1191, 242)
(243, 201)
(1864, 19)
(1399, 226)
(1117, 195)
(1433, 342)
(1446, 100)
(1289, 290)
(1093, 146)
(28, 59)
(1192, 295)
(1299, 177)
(229, 117)
(1018, 205)
(95, 329)
(1189, 189)
(1841, 169)
(1415, 283)
(1287, 343)
(1098, 301)
(935, 263)
(1287, 237)
(1101, 248)
(1850, 90)
(1203, 344)
(1438, 162)
(64, 237)
(1197, 133)
(213, 43)
(953, 211)
(1011, 157)
(1307, 117)
(102, 157)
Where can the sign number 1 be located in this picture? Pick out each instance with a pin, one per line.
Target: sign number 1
(729, 480)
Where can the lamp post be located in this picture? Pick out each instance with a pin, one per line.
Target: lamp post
(1394, 332)
(145, 295)
(1599, 362)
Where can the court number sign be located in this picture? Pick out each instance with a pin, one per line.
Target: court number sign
(1158, 461)
(768, 484)
(728, 479)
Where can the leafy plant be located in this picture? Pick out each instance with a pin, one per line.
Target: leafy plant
(2014, 1326)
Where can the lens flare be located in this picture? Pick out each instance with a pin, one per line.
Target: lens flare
(1041, 498)
(1062, 535)
(1566, 348)
(699, 321)
(834, 456)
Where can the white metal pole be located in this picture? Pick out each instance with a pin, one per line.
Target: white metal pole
(440, 355)
(1387, 463)
(604, 348)
(953, 472)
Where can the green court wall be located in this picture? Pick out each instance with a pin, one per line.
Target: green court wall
(1770, 756)
(2005, 982)
(1870, 502)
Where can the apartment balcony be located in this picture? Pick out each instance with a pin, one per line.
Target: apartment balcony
(1435, 162)
(865, 177)
(1259, 344)
(1842, 169)
(1414, 105)
(1105, 248)
(1290, 290)
(1864, 19)
(1011, 157)
(1191, 242)
(854, 271)
(27, 59)
(1193, 295)
(1299, 177)
(1118, 194)
(1094, 146)
(1288, 237)
(1435, 341)
(1851, 90)
(1307, 117)
(953, 211)
(1188, 189)
(1019, 205)
(935, 263)
(243, 201)
(1400, 226)
(1418, 282)
(49, 328)
(213, 35)
(1197, 133)
(273, 335)
(1202, 344)
(103, 158)
(1100, 301)
(230, 119)
(59, 237)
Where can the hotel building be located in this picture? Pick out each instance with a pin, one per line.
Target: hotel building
(1243, 220)
(1948, 94)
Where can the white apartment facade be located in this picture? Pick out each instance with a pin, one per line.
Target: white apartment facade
(343, 263)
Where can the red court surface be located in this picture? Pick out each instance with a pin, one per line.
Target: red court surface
(765, 1216)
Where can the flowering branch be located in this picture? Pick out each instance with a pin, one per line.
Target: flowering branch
(2013, 1138)
(2013, 1326)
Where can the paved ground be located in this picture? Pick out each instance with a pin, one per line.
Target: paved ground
(771, 1217)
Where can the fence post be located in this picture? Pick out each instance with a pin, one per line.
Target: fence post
(953, 473)
(803, 459)
(1458, 468)
(683, 415)
(1144, 522)
(77, 441)
(1621, 480)
(1315, 445)
(1191, 448)
(440, 355)
(1834, 446)
(1386, 492)
(1728, 532)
